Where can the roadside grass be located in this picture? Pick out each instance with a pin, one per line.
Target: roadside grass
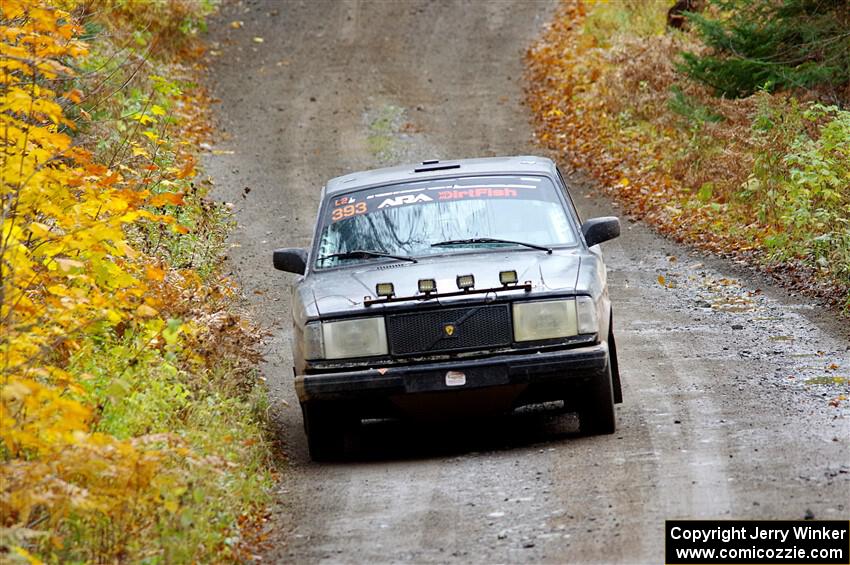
(764, 178)
(222, 473)
(383, 126)
(134, 419)
(608, 20)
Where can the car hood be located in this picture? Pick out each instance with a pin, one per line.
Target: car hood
(342, 291)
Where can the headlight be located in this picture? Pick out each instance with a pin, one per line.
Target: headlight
(360, 337)
(551, 319)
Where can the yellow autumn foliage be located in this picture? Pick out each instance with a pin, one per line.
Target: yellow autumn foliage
(72, 274)
(66, 266)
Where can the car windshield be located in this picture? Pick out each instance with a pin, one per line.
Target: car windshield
(409, 219)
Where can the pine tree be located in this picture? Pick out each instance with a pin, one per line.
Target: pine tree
(772, 45)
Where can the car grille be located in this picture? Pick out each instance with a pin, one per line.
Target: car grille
(471, 328)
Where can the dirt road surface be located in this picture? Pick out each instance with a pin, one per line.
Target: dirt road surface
(727, 380)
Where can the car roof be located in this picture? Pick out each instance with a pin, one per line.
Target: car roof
(521, 164)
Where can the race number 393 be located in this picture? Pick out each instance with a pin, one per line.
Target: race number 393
(804, 542)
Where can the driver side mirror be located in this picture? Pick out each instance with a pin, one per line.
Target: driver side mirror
(291, 260)
(598, 230)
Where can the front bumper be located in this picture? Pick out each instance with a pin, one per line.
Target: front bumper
(545, 374)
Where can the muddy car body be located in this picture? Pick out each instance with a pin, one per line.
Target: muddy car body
(447, 288)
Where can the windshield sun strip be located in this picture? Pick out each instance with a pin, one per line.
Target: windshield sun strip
(473, 180)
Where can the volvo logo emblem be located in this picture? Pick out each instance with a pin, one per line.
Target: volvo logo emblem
(449, 330)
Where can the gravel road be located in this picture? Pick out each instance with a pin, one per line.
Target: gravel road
(727, 380)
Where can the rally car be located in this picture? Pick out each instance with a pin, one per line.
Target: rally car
(447, 288)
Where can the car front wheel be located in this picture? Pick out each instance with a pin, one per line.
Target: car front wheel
(596, 416)
(325, 426)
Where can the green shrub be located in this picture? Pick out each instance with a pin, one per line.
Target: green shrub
(756, 44)
(801, 182)
(141, 390)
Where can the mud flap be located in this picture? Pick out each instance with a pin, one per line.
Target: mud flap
(615, 366)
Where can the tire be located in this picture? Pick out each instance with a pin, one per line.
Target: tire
(325, 426)
(597, 416)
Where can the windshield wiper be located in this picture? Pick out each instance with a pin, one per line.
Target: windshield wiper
(365, 253)
(490, 240)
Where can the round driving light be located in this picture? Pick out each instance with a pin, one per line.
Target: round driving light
(385, 289)
(427, 286)
(508, 277)
(465, 282)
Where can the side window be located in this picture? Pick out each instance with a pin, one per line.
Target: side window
(569, 196)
